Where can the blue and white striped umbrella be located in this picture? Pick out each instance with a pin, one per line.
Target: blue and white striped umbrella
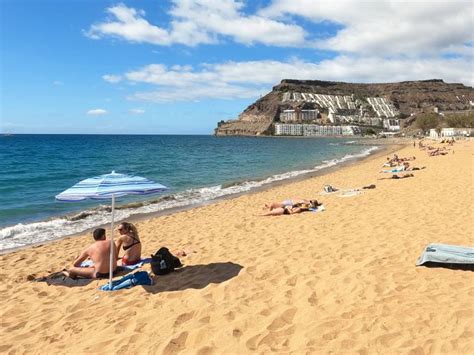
(110, 186)
(104, 186)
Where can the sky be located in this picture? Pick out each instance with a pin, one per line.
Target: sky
(180, 66)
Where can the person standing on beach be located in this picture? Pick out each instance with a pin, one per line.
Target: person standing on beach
(99, 253)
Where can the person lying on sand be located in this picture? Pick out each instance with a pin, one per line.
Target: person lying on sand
(437, 152)
(412, 168)
(391, 162)
(296, 208)
(395, 176)
(286, 203)
(99, 253)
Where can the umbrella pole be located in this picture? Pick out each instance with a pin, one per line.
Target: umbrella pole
(111, 244)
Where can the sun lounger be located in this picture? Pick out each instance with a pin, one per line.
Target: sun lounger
(447, 255)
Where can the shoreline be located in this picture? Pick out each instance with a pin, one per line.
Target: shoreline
(382, 149)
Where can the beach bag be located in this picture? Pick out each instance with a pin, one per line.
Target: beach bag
(163, 262)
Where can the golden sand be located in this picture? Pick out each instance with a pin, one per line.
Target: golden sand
(340, 281)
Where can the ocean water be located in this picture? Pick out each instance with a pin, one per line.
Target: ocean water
(35, 168)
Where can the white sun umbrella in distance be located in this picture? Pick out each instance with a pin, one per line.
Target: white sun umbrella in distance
(110, 186)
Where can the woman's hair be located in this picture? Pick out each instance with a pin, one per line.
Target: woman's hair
(129, 227)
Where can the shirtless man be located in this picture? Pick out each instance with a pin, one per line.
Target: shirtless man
(99, 253)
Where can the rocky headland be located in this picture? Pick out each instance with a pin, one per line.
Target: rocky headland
(407, 99)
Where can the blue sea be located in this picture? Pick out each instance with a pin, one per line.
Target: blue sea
(197, 169)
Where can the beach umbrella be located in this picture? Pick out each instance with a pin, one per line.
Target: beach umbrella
(110, 186)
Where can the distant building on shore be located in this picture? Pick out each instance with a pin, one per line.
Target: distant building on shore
(391, 124)
(299, 115)
(315, 130)
(451, 132)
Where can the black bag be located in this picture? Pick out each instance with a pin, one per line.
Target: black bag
(163, 262)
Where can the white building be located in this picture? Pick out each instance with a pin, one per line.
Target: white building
(288, 116)
(451, 132)
(282, 129)
(309, 115)
(391, 124)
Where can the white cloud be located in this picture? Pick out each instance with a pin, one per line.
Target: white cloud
(198, 22)
(58, 83)
(377, 41)
(97, 112)
(136, 111)
(386, 26)
(199, 92)
(112, 78)
(232, 80)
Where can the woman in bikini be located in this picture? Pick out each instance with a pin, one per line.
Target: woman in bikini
(131, 243)
(292, 209)
(286, 203)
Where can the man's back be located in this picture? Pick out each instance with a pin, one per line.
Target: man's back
(99, 252)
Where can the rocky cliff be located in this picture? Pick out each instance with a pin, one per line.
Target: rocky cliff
(409, 97)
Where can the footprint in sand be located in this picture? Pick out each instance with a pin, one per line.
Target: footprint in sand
(205, 320)
(292, 281)
(207, 350)
(182, 318)
(237, 333)
(313, 300)
(177, 344)
(230, 316)
(282, 320)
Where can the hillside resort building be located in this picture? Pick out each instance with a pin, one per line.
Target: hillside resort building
(333, 115)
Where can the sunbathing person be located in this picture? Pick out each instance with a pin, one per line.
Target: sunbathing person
(130, 242)
(437, 152)
(396, 161)
(410, 168)
(296, 208)
(99, 253)
(286, 203)
(395, 176)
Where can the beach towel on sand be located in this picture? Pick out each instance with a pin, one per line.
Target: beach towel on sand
(349, 193)
(439, 254)
(130, 280)
(139, 264)
(320, 208)
(394, 170)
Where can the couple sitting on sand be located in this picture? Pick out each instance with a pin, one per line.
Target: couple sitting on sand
(290, 207)
(99, 253)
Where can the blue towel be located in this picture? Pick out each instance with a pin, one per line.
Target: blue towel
(446, 254)
(128, 281)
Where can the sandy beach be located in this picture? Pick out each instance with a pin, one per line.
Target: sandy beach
(339, 281)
